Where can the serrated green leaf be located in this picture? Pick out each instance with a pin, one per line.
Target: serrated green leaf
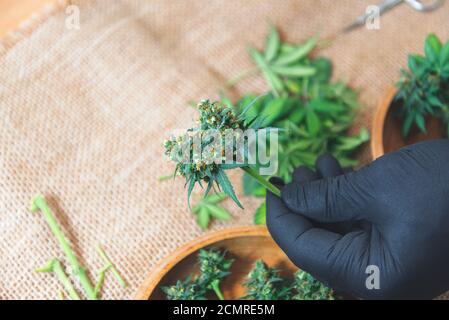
(415, 62)
(432, 47)
(313, 122)
(273, 80)
(322, 105)
(226, 185)
(251, 187)
(272, 44)
(297, 54)
(294, 71)
(215, 198)
(191, 183)
(323, 68)
(260, 214)
(218, 212)
(421, 123)
(203, 218)
(272, 110)
(444, 55)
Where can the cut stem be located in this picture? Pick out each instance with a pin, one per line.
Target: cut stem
(55, 266)
(100, 280)
(110, 265)
(265, 183)
(216, 287)
(79, 271)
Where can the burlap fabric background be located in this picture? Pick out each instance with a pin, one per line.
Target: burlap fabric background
(83, 114)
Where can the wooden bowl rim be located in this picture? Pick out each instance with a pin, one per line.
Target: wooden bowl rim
(377, 129)
(166, 264)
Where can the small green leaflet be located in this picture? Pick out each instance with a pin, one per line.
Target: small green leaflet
(260, 215)
(207, 209)
(226, 185)
(273, 44)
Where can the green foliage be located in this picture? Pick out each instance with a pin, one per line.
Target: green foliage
(281, 60)
(207, 209)
(313, 112)
(306, 287)
(260, 217)
(423, 89)
(265, 283)
(214, 267)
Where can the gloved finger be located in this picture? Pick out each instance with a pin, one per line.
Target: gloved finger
(334, 199)
(303, 174)
(320, 252)
(283, 225)
(327, 166)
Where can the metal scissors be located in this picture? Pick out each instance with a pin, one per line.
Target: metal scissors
(423, 6)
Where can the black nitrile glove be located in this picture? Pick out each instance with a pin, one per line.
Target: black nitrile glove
(393, 214)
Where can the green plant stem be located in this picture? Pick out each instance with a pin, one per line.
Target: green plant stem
(110, 265)
(55, 266)
(100, 280)
(79, 271)
(165, 178)
(216, 287)
(268, 185)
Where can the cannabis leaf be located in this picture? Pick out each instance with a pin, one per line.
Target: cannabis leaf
(207, 209)
(423, 89)
(313, 112)
(260, 214)
(282, 61)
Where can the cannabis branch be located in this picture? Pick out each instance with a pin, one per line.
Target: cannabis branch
(199, 166)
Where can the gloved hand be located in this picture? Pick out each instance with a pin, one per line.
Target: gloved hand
(393, 214)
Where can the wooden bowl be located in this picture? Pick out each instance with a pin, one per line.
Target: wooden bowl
(244, 244)
(386, 132)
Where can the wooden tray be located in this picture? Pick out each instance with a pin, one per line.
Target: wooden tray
(244, 244)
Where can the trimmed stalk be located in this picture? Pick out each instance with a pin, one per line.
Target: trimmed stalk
(216, 287)
(268, 185)
(110, 265)
(79, 271)
(55, 266)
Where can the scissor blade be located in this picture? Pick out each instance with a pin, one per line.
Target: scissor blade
(356, 24)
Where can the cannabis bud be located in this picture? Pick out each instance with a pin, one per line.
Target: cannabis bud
(308, 288)
(219, 142)
(186, 290)
(265, 283)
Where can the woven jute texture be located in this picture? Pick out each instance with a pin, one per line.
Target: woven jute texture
(83, 114)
